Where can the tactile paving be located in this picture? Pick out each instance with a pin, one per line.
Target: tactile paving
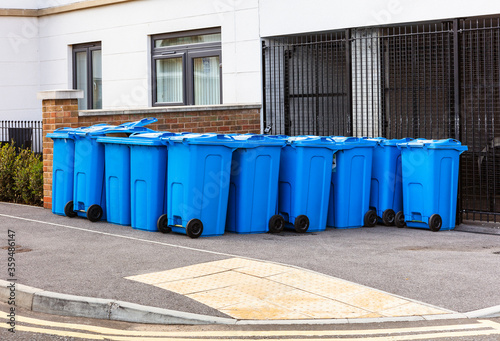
(209, 282)
(248, 289)
(191, 271)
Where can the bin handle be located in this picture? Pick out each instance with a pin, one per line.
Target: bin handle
(351, 139)
(399, 145)
(140, 123)
(224, 137)
(67, 128)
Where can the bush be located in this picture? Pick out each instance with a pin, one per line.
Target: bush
(7, 169)
(21, 176)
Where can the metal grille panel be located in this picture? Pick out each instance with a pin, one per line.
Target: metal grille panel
(435, 80)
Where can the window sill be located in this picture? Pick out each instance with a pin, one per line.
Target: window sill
(184, 108)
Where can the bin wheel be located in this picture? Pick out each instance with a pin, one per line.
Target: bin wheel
(194, 228)
(276, 224)
(301, 224)
(388, 217)
(162, 224)
(370, 218)
(94, 213)
(435, 222)
(400, 219)
(68, 210)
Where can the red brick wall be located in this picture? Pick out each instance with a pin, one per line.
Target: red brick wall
(64, 113)
(212, 121)
(57, 113)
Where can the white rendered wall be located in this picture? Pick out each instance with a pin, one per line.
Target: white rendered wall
(280, 17)
(19, 69)
(23, 4)
(40, 59)
(124, 31)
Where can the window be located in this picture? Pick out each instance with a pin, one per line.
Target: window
(87, 74)
(187, 68)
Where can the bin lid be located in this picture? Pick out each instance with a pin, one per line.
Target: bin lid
(128, 127)
(150, 138)
(260, 140)
(434, 144)
(353, 142)
(206, 139)
(382, 141)
(63, 133)
(312, 141)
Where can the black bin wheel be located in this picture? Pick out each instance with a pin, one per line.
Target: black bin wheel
(94, 213)
(162, 224)
(435, 222)
(370, 218)
(276, 224)
(400, 219)
(388, 217)
(194, 228)
(68, 210)
(301, 223)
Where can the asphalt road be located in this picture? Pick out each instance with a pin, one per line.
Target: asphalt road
(454, 270)
(42, 327)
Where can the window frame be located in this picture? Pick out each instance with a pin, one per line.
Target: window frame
(188, 52)
(88, 48)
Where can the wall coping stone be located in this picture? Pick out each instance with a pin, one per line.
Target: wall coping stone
(184, 108)
(59, 94)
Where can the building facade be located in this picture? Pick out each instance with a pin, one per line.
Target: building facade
(393, 68)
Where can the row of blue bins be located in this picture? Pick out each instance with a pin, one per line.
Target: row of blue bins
(206, 184)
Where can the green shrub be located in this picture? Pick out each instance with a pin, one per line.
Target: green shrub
(21, 176)
(7, 169)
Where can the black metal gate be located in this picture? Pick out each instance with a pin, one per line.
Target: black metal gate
(435, 80)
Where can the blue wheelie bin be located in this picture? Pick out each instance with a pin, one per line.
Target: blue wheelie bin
(430, 183)
(117, 176)
(198, 174)
(304, 182)
(63, 170)
(351, 170)
(386, 192)
(253, 189)
(146, 179)
(89, 194)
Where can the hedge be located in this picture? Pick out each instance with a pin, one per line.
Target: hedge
(21, 176)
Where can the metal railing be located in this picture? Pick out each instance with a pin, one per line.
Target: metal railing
(25, 134)
(434, 80)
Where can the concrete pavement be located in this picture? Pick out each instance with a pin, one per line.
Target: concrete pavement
(452, 271)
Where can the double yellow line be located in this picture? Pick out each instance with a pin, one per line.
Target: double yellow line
(481, 328)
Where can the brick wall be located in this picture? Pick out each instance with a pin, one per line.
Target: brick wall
(58, 113)
(210, 121)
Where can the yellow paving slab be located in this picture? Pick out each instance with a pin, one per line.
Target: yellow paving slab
(191, 271)
(265, 289)
(318, 284)
(209, 282)
(248, 289)
(373, 300)
(263, 270)
(222, 297)
(261, 310)
(316, 306)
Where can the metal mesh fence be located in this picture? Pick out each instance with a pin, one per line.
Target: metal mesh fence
(434, 80)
